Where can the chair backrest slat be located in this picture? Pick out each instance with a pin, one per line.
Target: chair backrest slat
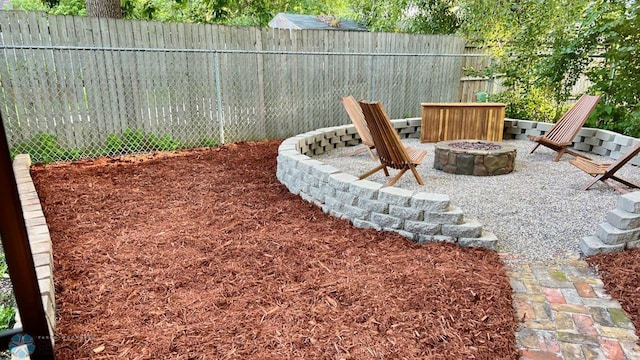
(572, 121)
(391, 151)
(357, 118)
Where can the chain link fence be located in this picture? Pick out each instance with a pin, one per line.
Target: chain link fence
(73, 87)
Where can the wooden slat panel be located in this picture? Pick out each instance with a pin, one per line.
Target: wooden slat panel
(444, 121)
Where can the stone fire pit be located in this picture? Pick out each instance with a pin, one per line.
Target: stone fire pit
(474, 157)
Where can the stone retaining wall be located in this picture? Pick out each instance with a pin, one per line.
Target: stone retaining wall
(621, 229)
(39, 239)
(597, 141)
(419, 216)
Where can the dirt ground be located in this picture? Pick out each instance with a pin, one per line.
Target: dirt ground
(620, 273)
(205, 255)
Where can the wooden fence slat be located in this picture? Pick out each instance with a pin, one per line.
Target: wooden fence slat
(104, 91)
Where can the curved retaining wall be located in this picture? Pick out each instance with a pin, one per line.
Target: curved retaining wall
(621, 227)
(423, 216)
(419, 216)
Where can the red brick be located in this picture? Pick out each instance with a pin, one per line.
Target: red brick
(612, 349)
(549, 343)
(584, 324)
(554, 296)
(585, 290)
(538, 355)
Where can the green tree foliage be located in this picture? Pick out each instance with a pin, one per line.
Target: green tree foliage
(230, 12)
(412, 16)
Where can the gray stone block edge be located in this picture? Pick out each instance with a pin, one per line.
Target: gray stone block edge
(418, 216)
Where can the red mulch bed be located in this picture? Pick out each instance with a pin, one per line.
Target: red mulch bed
(620, 273)
(204, 254)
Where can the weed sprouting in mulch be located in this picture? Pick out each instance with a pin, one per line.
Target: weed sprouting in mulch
(205, 255)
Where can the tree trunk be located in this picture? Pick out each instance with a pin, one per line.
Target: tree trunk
(104, 8)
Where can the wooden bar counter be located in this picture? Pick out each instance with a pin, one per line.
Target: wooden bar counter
(454, 121)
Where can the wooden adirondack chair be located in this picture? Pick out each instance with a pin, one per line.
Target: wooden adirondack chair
(561, 135)
(357, 118)
(391, 151)
(606, 171)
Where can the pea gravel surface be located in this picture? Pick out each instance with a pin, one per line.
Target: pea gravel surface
(539, 212)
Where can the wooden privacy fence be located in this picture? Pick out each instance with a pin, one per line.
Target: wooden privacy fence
(106, 84)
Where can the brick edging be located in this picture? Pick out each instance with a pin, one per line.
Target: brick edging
(39, 238)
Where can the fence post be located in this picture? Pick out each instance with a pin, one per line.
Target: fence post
(373, 78)
(216, 69)
(15, 242)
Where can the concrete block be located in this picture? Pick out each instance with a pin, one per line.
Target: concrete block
(514, 131)
(420, 227)
(365, 189)
(544, 126)
(593, 141)
(534, 132)
(363, 224)
(430, 202)
(582, 146)
(403, 233)
(610, 145)
(322, 172)
(606, 135)
(341, 181)
(587, 132)
(454, 216)
(332, 204)
(521, 137)
(510, 123)
(600, 151)
(341, 130)
(487, 240)
(416, 122)
(527, 124)
(469, 229)
(623, 220)
(591, 245)
(423, 239)
(611, 235)
(633, 245)
(630, 202)
(354, 212)
(395, 196)
(345, 197)
(406, 213)
(307, 197)
(623, 140)
(386, 221)
(373, 205)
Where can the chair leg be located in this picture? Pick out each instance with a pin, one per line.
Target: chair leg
(373, 171)
(560, 153)
(373, 157)
(416, 175)
(395, 178)
(592, 182)
(534, 148)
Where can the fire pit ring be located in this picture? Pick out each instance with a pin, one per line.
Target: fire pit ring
(474, 157)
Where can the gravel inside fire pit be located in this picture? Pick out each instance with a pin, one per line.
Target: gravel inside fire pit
(475, 145)
(539, 211)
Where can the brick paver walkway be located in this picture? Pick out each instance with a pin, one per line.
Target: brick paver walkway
(566, 314)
